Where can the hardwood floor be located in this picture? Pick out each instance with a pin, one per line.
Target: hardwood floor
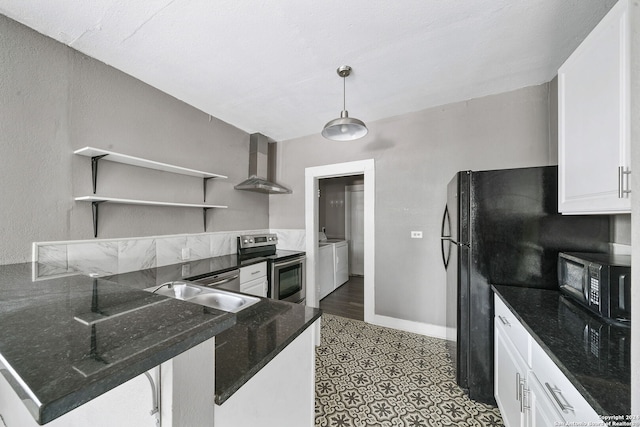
(347, 300)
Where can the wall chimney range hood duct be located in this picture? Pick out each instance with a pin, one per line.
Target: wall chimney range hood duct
(262, 167)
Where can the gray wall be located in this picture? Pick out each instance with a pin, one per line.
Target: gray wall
(331, 206)
(415, 157)
(54, 100)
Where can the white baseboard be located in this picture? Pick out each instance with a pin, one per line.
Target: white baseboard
(411, 326)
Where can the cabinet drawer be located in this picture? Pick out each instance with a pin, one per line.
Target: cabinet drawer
(564, 396)
(252, 272)
(512, 328)
(257, 287)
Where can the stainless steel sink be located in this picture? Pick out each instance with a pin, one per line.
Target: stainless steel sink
(210, 297)
(219, 300)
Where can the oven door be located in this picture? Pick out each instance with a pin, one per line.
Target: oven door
(288, 280)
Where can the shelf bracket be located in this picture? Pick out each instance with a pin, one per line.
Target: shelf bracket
(204, 185)
(94, 210)
(94, 170)
(204, 215)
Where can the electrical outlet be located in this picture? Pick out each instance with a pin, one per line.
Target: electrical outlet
(416, 234)
(186, 270)
(186, 253)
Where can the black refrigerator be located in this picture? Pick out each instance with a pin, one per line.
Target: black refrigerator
(502, 227)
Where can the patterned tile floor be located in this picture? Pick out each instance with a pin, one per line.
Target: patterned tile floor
(372, 376)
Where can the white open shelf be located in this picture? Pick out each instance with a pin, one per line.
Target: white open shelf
(137, 161)
(145, 202)
(97, 154)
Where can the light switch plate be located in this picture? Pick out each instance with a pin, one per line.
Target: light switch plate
(416, 234)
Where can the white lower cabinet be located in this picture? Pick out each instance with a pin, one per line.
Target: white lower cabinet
(530, 389)
(253, 280)
(257, 287)
(181, 395)
(281, 394)
(510, 376)
(129, 404)
(541, 410)
(562, 394)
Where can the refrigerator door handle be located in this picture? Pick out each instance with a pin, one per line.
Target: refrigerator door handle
(445, 235)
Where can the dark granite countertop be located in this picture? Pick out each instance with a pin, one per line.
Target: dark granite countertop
(68, 340)
(260, 333)
(256, 338)
(592, 353)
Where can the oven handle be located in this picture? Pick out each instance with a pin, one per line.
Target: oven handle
(288, 263)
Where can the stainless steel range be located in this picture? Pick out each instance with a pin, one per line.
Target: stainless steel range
(286, 269)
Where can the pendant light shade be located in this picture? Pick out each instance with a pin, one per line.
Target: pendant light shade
(344, 128)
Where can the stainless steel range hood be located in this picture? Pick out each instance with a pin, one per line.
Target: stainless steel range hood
(262, 167)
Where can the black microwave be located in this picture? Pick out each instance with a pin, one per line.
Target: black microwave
(599, 282)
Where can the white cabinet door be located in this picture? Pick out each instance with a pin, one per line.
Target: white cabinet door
(252, 272)
(510, 377)
(280, 394)
(257, 287)
(128, 404)
(541, 410)
(513, 330)
(562, 394)
(593, 120)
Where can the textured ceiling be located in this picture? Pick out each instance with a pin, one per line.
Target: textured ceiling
(270, 66)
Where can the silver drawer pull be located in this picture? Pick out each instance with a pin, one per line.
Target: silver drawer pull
(504, 321)
(255, 272)
(555, 393)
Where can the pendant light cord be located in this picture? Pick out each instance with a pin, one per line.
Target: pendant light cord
(344, 93)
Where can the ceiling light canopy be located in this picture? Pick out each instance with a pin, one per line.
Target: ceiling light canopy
(344, 128)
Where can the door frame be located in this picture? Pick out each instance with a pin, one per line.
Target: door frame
(312, 177)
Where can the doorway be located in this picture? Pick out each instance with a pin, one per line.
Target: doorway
(313, 175)
(340, 289)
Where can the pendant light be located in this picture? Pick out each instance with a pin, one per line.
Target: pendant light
(344, 128)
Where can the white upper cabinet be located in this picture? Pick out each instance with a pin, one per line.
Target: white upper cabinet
(593, 120)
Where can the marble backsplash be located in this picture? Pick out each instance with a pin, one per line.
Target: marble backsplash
(111, 256)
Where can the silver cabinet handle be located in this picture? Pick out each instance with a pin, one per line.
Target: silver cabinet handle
(525, 395)
(520, 391)
(255, 272)
(622, 191)
(555, 393)
(504, 321)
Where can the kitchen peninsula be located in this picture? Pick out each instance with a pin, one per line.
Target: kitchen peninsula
(79, 349)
